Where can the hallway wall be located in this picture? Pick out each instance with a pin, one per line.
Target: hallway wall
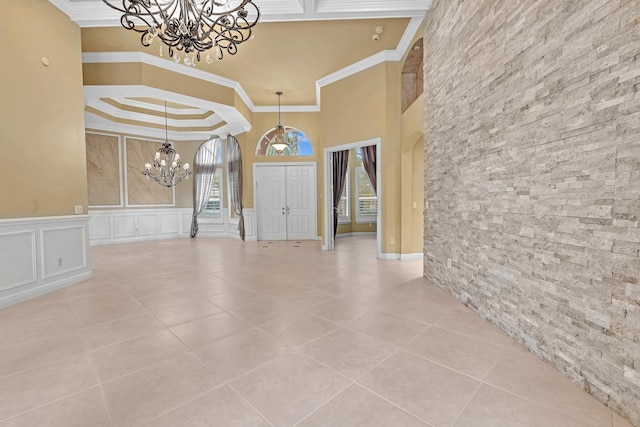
(42, 117)
(533, 178)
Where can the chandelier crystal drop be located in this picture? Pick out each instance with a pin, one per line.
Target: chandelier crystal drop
(190, 26)
(166, 167)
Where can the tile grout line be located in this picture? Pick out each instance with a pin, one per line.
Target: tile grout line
(102, 393)
(464, 408)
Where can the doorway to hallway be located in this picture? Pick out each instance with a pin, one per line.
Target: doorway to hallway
(285, 201)
(328, 212)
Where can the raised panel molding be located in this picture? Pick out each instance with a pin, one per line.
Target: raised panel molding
(63, 250)
(137, 225)
(125, 226)
(41, 255)
(100, 228)
(147, 225)
(169, 223)
(229, 227)
(17, 259)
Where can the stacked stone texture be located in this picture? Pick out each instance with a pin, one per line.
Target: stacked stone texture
(532, 171)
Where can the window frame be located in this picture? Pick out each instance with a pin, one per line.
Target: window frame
(346, 196)
(221, 169)
(360, 219)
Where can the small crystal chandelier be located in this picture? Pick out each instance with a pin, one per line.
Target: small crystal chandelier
(279, 141)
(166, 164)
(190, 26)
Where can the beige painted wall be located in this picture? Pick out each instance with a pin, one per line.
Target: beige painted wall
(143, 74)
(364, 106)
(412, 178)
(42, 117)
(353, 110)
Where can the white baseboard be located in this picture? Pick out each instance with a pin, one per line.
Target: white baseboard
(43, 289)
(42, 255)
(411, 257)
(402, 257)
(356, 234)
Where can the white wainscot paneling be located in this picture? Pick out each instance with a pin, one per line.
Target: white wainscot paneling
(125, 226)
(63, 250)
(249, 224)
(100, 228)
(41, 255)
(147, 225)
(136, 225)
(169, 223)
(17, 259)
(228, 227)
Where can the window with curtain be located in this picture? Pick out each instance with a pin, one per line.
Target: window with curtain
(366, 201)
(344, 207)
(214, 211)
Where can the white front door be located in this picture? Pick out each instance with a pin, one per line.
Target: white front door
(286, 202)
(272, 202)
(301, 212)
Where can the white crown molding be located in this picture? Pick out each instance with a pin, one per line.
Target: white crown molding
(159, 108)
(378, 58)
(287, 109)
(112, 111)
(167, 64)
(64, 5)
(409, 33)
(95, 122)
(235, 122)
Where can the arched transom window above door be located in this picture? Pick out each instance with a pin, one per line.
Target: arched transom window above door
(296, 143)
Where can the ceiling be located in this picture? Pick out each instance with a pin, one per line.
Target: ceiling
(299, 46)
(92, 13)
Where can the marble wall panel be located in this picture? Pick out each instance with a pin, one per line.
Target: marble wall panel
(141, 190)
(103, 170)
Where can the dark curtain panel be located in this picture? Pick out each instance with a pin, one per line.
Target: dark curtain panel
(340, 164)
(235, 180)
(204, 168)
(369, 163)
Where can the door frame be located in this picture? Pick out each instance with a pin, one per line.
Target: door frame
(329, 241)
(314, 206)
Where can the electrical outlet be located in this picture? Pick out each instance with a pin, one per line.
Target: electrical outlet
(415, 205)
(392, 241)
(79, 209)
(449, 263)
(59, 262)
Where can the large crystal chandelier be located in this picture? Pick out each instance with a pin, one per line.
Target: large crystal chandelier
(165, 169)
(190, 26)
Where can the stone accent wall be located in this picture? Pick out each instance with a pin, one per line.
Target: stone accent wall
(532, 172)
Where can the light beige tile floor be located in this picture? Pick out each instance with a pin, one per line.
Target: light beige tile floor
(213, 332)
